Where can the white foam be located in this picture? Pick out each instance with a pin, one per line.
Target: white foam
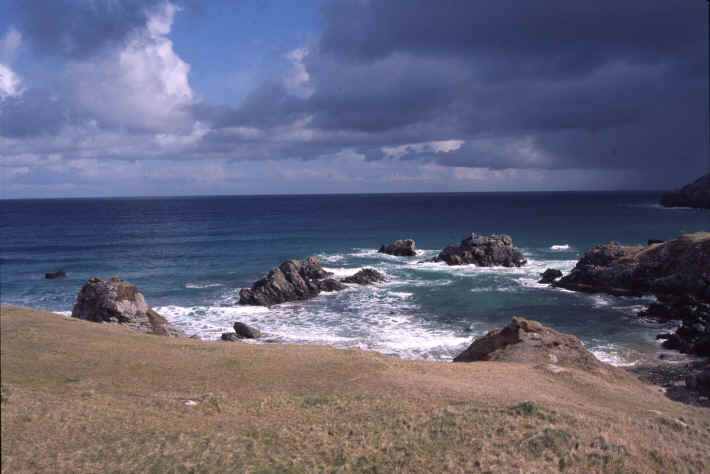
(201, 285)
(331, 258)
(612, 356)
(401, 294)
(342, 272)
(560, 247)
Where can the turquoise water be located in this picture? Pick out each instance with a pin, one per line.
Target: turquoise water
(190, 257)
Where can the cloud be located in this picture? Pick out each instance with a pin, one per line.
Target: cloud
(9, 44)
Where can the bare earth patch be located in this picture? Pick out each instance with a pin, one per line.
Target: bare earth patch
(85, 397)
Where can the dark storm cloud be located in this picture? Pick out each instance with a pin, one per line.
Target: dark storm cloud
(78, 29)
(31, 114)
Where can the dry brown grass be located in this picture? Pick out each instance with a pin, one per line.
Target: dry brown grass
(85, 397)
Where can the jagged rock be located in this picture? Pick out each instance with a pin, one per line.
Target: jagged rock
(293, 280)
(400, 248)
(118, 301)
(231, 337)
(530, 342)
(57, 274)
(366, 276)
(247, 332)
(483, 251)
(695, 194)
(550, 275)
(678, 267)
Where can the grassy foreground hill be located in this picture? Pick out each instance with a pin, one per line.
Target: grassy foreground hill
(85, 397)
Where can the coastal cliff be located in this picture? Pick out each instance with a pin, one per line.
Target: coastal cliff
(695, 194)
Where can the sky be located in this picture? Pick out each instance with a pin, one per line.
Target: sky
(154, 97)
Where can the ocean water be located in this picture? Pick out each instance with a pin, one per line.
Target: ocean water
(190, 257)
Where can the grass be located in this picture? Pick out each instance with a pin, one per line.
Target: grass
(86, 397)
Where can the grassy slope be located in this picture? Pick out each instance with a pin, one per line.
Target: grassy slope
(79, 396)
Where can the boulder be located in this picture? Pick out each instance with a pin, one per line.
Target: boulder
(366, 276)
(57, 274)
(695, 194)
(400, 248)
(118, 301)
(699, 382)
(530, 342)
(231, 337)
(550, 275)
(293, 280)
(483, 251)
(655, 241)
(247, 332)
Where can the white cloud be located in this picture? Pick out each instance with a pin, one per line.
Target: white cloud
(439, 146)
(9, 44)
(10, 83)
(143, 84)
(297, 80)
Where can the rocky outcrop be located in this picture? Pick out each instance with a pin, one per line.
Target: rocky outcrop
(550, 275)
(293, 280)
(530, 342)
(366, 276)
(695, 194)
(693, 335)
(247, 332)
(118, 301)
(699, 382)
(677, 267)
(400, 248)
(483, 251)
(57, 274)
(230, 337)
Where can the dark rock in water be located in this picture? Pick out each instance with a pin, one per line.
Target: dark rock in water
(231, 337)
(293, 280)
(118, 301)
(655, 241)
(530, 342)
(57, 274)
(247, 332)
(400, 248)
(483, 251)
(550, 275)
(366, 276)
(695, 194)
(677, 267)
(699, 381)
(330, 284)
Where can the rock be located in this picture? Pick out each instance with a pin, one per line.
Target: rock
(293, 280)
(530, 342)
(118, 301)
(677, 267)
(655, 241)
(550, 275)
(494, 250)
(57, 274)
(699, 382)
(246, 332)
(231, 337)
(400, 248)
(695, 194)
(366, 276)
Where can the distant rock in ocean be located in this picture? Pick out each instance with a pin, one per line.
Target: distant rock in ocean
(550, 275)
(366, 276)
(529, 342)
(695, 194)
(118, 301)
(57, 274)
(483, 251)
(400, 248)
(293, 280)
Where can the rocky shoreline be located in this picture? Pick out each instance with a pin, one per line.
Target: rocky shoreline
(695, 194)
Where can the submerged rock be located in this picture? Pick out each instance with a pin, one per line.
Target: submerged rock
(530, 342)
(57, 274)
(118, 301)
(695, 194)
(483, 251)
(293, 280)
(366, 276)
(400, 248)
(550, 275)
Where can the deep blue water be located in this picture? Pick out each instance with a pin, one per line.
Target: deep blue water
(190, 257)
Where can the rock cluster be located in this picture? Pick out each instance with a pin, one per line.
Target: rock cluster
(57, 274)
(400, 248)
(530, 342)
(550, 275)
(293, 280)
(366, 276)
(118, 301)
(483, 251)
(241, 331)
(695, 194)
(693, 335)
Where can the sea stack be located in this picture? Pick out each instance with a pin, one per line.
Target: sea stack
(400, 248)
(483, 251)
(119, 301)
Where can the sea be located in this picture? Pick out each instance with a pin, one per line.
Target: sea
(190, 256)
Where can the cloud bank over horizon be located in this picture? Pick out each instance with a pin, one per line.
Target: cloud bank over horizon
(139, 97)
